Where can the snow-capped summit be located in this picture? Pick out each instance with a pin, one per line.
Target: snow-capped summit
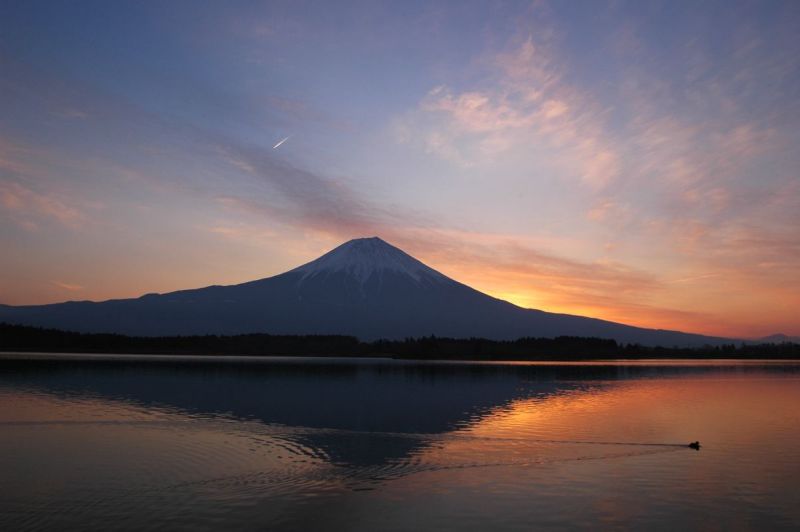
(362, 258)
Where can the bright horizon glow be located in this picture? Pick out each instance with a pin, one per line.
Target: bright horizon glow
(632, 162)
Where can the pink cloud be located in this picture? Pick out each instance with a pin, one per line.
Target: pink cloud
(29, 208)
(71, 287)
(523, 103)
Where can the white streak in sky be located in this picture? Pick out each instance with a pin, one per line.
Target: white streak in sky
(281, 142)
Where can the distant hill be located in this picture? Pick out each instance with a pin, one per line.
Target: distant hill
(777, 339)
(364, 288)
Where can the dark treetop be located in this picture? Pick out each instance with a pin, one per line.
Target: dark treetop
(23, 338)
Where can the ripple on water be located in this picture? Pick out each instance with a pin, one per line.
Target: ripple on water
(68, 461)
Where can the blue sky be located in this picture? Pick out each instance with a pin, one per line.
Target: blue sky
(635, 161)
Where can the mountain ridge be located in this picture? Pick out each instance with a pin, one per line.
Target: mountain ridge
(365, 288)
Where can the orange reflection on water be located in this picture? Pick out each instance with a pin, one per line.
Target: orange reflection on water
(630, 417)
(565, 452)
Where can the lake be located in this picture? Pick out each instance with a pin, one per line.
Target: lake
(97, 442)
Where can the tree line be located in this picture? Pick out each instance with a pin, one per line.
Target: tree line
(31, 339)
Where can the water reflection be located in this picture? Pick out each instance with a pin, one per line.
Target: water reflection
(359, 399)
(219, 443)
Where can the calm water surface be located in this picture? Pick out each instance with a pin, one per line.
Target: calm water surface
(102, 442)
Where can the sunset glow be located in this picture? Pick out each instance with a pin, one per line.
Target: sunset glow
(636, 162)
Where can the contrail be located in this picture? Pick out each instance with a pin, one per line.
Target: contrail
(281, 142)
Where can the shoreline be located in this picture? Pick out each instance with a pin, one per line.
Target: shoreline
(44, 356)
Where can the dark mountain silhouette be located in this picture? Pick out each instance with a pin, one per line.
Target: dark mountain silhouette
(365, 288)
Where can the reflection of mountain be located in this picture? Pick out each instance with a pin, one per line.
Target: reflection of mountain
(365, 288)
(350, 398)
(382, 397)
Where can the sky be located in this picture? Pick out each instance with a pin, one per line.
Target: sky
(632, 161)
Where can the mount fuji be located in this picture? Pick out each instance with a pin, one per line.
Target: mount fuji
(365, 288)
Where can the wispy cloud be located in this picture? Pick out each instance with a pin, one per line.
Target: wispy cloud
(12, 158)
(71, 113)
(29, 208)
(70, 287)
(299, 195)
(523, 103)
